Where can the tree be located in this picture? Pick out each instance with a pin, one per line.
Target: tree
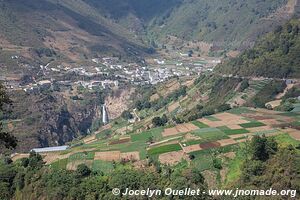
(262, 149)
(127, 115)
(35, 160)
(244, 85)
(83, 170)
(7, 140)
(160, 121)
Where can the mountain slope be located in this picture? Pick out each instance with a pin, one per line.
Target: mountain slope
(227, 23)
(230, 22)
(70, 28)
(80, 29)
(276, 55)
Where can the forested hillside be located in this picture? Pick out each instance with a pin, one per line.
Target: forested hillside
(276, 55)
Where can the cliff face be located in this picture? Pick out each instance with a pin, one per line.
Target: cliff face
(50, 120)
(118, 101)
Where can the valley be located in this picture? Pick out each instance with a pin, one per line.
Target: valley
(102, 96)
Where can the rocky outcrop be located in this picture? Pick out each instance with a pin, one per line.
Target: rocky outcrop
(50, 120)
(118, 101)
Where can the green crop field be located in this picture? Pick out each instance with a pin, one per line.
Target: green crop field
(203, 162)
(222, 128)
(285, 140)
(82, 156)
(240, 110)
(155, 133)
(212, 118)
(200, 124)
(204, 158)
(141, 136)
(252, 124)
(60, 164)
(210, 134)
(103, 134)
(164, 149)
(235, 131)
(193, 142)
(105, 167)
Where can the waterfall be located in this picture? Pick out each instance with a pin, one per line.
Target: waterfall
(104, 115)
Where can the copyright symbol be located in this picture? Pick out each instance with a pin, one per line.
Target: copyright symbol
(116, 191)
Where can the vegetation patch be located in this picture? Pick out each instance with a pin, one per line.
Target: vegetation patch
(103, 134)
(119, 141)
(252, 124)
(193, 142)
(235, 131)
(284, 140)
(60, 164)
(212, 118)
(82, 156)
(145, 136)
(210, 134)
(164, 149)
(200, 124)
(102, 166)
(240, 110)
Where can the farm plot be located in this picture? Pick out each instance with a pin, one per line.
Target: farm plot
(170, 132)
(139, 146)
(227, 142)
(191, 126)
(193, 142)
(252, 124)
(239, 136)
(203, 160)
(235, 131)
(90, 139)
(192, 148)
(293, 133)
(172, 158)
(120, 141)
(226, 119)
(145, 136)
(82, 156)
(210, 145)
(108, 156)
(164, 149)
(173, 106)
(104, 134)
(180, 128)
(103, 166)
(212, 118)
(260, 129)
(234, 126)
(52, 157)
(270, 122)
(59, 164)
(130, 156)
(240, 110)
(200, 124)
(210, 134)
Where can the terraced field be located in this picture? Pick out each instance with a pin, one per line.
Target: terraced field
(198, 139)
